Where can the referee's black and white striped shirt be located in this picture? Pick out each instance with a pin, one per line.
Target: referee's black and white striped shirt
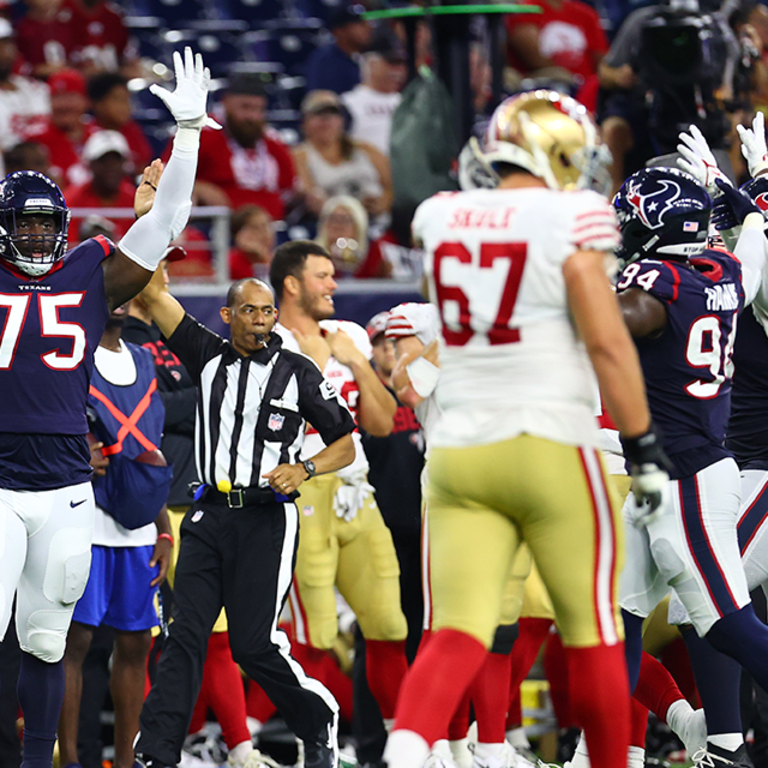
(252, 411)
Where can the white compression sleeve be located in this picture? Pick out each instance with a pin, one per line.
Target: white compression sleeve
(145, 242)
(750, 251)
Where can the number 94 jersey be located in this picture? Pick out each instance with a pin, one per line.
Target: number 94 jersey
(510, 361)
(688, 367)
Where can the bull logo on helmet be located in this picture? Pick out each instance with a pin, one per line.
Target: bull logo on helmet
(651, 207)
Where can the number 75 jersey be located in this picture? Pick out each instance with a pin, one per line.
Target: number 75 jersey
(510, 358)
(688, 367)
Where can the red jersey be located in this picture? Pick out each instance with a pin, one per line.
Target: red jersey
(141, 150)
(65, 155)
(241, 266)
(47, 42)
(569, 36)
(263, 176)
(103, 40)
(84, 196)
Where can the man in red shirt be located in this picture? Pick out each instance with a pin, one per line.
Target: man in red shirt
(107, 155)
(244, 163)
(566, 35)
(46, 36)
(111, 107)
(66, 131)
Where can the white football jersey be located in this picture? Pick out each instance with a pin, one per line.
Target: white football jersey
(343, 380)
(510, 359)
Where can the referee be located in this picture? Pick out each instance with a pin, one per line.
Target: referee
(239, 538)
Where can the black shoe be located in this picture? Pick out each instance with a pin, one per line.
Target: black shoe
(717, 757)
(323, 750)
(145, 761)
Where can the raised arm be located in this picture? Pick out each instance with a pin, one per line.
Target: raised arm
(165, 310)
(130, 268)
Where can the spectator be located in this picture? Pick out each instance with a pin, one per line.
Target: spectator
(104, 43)
(45, 36)
(107, 155)
(244, 163)
(66, 130)
(253, 236)
(28, 156)
(335, 66)
(24, 103)
(372, 103)
(111, 107)
(330, 163)
(566, 35)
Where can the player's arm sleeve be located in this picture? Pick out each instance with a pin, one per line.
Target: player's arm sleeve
(750, 250)
(195, 345)
(321, 405)
(593, 226)
(145, 242)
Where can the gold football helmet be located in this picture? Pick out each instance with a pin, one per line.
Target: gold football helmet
(552, 136)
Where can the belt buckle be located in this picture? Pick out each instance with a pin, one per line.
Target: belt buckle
(235, 498)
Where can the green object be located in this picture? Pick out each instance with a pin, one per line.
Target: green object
(423, 144)
(450, 10)
(347, 762)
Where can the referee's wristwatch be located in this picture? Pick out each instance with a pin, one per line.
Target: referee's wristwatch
(309, 467)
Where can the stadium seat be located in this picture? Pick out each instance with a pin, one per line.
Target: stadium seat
(318, 9)
(176, 12)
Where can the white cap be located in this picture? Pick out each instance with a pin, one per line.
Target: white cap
(105, 141)
(6, 29)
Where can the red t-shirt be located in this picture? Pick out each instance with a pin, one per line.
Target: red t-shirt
(241, 266)
(64, 154)
(263, 176)
(84, 196)
(141, 149)
(103, 39)
(569, 36)
(47, 42)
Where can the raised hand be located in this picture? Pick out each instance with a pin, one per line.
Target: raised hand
(188, 101)
(698, 160)
(753, 145)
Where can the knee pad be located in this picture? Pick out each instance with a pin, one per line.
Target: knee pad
(44, 634)
(66, 576)
(504, 639)
(317, 559)
(669, 563)
(383, 555)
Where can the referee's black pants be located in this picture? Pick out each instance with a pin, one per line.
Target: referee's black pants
(242, 559)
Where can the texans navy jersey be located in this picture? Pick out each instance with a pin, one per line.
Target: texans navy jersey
(688, 367)
(747, 435)
(49, 329)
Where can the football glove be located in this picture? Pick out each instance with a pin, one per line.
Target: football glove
(649, 468)
(187, 103)
(732, 207)
(698, 160)
(753, 145)
(350, 497)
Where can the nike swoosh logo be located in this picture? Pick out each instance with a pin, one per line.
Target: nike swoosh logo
(74, 504)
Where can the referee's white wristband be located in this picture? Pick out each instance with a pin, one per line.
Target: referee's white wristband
(423, 376)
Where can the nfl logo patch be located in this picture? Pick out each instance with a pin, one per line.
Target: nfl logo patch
(690, 226)
(197, 516)
(275, 422)
(308, 511)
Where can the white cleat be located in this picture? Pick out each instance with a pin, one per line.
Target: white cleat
(440, 756)
(502, 755)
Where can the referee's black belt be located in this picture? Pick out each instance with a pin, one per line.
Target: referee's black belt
(237, 498)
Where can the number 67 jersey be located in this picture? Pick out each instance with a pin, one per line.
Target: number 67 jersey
(510, 359)
(688, 367)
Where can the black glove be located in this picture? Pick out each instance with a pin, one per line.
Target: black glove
(649, 468)
(731, 207)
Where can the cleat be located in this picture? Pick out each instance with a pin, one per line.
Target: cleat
(505, 757)
(254, 759)
(323, 750)
(717, 757)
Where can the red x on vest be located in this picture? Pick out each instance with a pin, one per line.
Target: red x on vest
(128, 422)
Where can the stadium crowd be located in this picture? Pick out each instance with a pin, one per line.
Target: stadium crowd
(312, 113)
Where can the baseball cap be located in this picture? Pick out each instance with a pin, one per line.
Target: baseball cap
(6, 29)
(246, 84)
(346, 14)
(319, 101)
(377, 325)
(387, 45)
(102, 142)
(67, 81)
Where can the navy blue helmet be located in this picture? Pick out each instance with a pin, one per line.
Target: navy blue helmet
(29, 192)
(663, 213)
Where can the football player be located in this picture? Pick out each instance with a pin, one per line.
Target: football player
(518, 273)
(344, 540)
(54, 306)
(681, 303)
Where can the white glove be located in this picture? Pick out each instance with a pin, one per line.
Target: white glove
(698, 160)
(350, 497)
(753, 145)
(187, 103)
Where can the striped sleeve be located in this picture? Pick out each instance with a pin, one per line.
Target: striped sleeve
(594, 225)
(413, 319)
